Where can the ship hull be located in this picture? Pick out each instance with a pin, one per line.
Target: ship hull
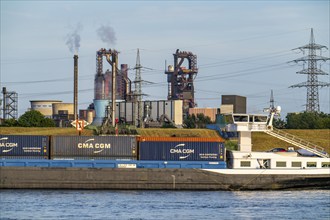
(155, 179)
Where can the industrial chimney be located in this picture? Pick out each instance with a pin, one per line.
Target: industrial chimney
(75, 87)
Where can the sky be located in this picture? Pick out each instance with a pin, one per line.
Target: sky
(243, 47)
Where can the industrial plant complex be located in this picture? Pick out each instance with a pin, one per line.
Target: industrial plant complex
(115, 100)
(119, 103)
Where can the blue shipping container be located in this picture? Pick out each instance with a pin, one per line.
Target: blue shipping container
(181, 151)
(93, 147)
(24, 146)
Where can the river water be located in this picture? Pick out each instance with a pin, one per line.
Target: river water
(201, 205)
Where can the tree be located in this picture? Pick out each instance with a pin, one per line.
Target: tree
(203, 120)
(279, 123)
(10, 123)
(308, 120)
(189, 122)
(198, 121)
(35, 119)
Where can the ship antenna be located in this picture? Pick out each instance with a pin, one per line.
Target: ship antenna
(273, 111)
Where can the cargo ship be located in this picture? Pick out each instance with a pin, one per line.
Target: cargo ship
(159, 163)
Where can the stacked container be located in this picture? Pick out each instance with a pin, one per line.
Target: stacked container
(24, 147)
(93, 147)
(181, 149)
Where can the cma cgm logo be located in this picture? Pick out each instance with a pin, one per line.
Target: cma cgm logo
(7, 145)
(98, 147)
(179, 149)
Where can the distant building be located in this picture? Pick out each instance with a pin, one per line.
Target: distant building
(210, 112)
(87, 115)
(63, 114)
(152, 111)
(44, 106)
(233, 104)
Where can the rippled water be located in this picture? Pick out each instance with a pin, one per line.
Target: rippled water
(84, 204)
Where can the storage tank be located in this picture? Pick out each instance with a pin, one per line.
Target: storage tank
(100, 110)
(90, 115)
(44, 106)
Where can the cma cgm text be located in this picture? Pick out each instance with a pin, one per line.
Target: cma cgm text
(94, 146)
(8, 145)
(182, 151)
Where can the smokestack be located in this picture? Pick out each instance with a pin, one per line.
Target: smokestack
(114, 72)
(75, 86)
(4, 92)
(114, 63)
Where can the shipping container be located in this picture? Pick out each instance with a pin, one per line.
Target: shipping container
(24, 147)
(93, 147)
(181, 151)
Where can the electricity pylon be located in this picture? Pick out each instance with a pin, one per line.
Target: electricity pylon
(312, 72)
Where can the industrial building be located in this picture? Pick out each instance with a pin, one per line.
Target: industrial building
(45, 107)
(63, 114)
(87, 115)
(180, 79)
(105, 90)
(209, 112)
(127, 107)
(117, 103)
(233, 104)
(154, 112)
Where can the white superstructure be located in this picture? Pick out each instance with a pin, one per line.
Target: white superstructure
(272, 160)
(245, 161)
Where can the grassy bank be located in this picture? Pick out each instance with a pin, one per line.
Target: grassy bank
(43, 131)
(177, 132)
(320, 137)
(86, 132)
(260, 141)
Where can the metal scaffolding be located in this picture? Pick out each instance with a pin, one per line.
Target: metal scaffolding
(10, 104)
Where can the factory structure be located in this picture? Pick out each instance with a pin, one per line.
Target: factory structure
(118, 100)
(181, 79)
(118, 103)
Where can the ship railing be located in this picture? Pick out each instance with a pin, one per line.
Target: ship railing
(299, 142)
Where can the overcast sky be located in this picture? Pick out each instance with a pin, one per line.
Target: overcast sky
(242, 47)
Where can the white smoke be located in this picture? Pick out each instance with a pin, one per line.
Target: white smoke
(73, 38)
(107, 34)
